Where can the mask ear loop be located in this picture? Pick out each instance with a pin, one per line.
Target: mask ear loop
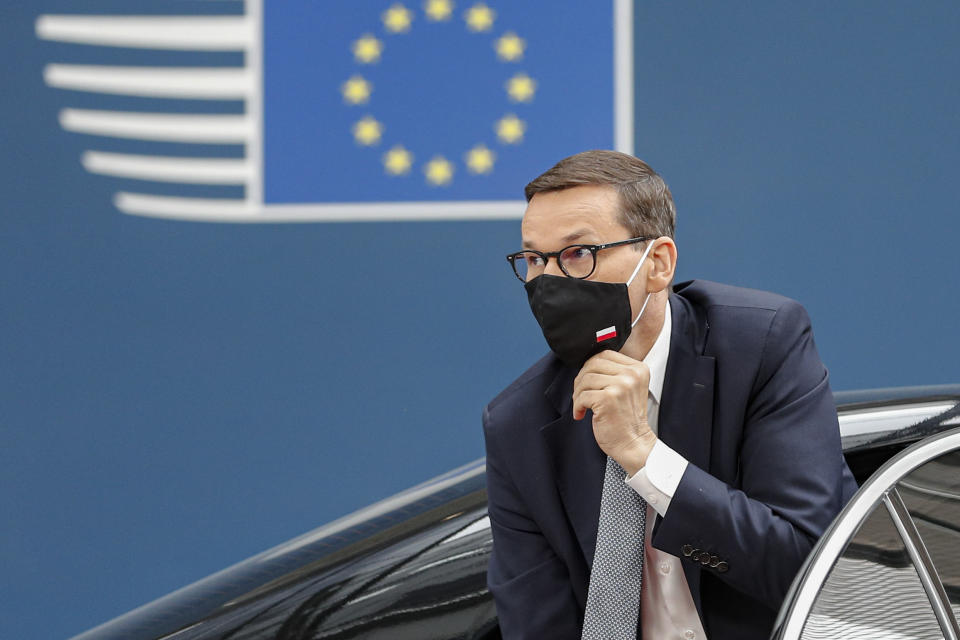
(634, 275)
(645, 301)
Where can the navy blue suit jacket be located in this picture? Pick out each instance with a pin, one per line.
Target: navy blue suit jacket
(746, 400)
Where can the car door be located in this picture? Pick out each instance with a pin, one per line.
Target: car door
(889, 566)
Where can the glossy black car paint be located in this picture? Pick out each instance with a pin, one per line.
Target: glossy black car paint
(412, 566)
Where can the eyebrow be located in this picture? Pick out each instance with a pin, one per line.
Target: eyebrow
(567, 239)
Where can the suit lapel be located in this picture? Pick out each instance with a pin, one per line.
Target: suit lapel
(686, 411)
(578, 463)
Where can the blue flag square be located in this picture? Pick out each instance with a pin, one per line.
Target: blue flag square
(430, 101)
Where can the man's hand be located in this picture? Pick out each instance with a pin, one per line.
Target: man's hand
(615, 388)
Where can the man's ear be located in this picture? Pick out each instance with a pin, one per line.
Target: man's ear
(663, 255)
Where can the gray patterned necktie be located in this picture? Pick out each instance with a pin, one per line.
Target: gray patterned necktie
(613, 601)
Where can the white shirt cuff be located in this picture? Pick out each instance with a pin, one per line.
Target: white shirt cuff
(657, 482)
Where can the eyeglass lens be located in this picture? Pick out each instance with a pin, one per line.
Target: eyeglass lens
(576, 262)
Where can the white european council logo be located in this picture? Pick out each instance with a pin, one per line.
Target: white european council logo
(502, 134)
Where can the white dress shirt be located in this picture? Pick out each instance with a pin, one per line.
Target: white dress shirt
(667, 611)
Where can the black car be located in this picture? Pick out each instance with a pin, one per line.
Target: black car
(414, 565)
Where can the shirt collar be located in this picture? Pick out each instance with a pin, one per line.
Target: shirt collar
(656, 359)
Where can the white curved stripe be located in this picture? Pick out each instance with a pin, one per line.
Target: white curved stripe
(168, 168)
(228, 83)
(200, 33)
(171, 127)
(219, 210)
(186, 208)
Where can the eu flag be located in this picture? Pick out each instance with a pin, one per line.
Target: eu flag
(375, 101)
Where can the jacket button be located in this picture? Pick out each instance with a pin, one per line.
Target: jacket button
(686, 550)
(722, 567)
(695, 556)
(704, 558)
(714, 561)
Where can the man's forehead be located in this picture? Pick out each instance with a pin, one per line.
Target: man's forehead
(587, 213)
(583, 233)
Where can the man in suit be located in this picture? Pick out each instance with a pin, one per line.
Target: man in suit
(709, 401)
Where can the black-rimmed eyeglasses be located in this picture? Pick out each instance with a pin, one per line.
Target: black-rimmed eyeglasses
(577, 260)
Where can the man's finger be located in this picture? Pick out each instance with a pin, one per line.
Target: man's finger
(584, 400)
(593, 380)
(615, 356)
(599, 364)
(634, 369)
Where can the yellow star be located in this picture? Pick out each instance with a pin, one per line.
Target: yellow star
(397, 18)
(397, 161)
(439, 171)
(367, 131)
(521, 88)
(367, 49)
(356, 90)
(480, 159)
(438, 10)
(510, 129)
(510, 47)
(480, 17)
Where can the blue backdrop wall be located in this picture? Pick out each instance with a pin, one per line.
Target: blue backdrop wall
(176, 396)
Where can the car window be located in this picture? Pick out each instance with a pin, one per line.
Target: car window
(873, 590)
(888, 567)
(931, 495)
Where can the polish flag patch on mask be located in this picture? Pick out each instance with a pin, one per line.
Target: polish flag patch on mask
(606, 334)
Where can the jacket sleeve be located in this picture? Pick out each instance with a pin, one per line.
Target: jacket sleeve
(529, 582)
(792, 478)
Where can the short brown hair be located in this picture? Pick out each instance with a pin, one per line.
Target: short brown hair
(646, 204)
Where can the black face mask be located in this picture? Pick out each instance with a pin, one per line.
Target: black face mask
(581, 318)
